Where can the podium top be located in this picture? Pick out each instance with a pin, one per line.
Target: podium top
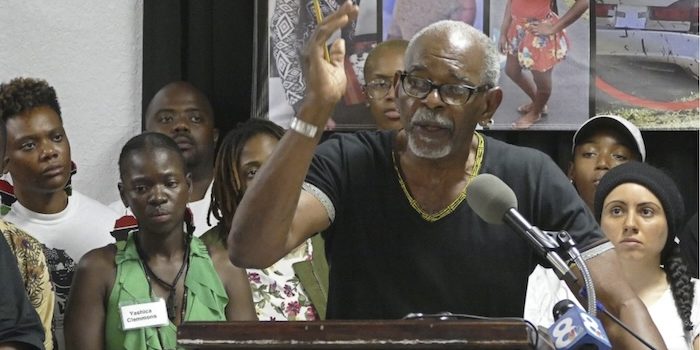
(374, 334)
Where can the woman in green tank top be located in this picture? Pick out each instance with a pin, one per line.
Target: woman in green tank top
(133, 294)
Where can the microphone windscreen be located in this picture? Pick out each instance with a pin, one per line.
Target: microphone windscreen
(490, 198)
(562, 307)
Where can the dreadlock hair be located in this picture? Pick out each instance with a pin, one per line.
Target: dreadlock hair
(662, 186)
(227, 190)
(23, 94)
(150, 141)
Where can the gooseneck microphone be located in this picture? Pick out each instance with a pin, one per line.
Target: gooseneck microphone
(496, 203)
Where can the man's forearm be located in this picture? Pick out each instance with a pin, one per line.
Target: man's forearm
(619, 298)
(635, 316)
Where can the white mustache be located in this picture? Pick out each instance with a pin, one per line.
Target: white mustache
(425, 115)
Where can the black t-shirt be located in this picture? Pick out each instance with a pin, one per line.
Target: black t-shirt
(386, 260)
(19, 321)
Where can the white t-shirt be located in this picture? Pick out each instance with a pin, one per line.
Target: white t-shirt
(199, 208)
(665, 316)
(83, 225)
(544, 290)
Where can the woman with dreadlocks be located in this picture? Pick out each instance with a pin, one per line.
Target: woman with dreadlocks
(294, 288)
(641, 210)
(134, 294)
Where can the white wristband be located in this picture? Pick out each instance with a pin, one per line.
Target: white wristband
(304, 128)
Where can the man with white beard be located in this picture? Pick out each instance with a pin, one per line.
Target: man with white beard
(399, 236)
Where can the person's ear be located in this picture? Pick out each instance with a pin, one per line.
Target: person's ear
(570, 171)
(5, 163)
(215, 131)
(492, 99)
(122, 195)
(188, 180)
(396, 82)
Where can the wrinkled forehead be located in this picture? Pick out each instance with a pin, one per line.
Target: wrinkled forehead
(179, 97)
(153, 156)
(459, 52)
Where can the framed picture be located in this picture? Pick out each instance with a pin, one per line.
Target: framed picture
(283, 28)
(401, 19)
(646, 63)
(560, 65)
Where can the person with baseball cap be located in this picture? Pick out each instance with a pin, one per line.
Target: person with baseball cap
(600, 144)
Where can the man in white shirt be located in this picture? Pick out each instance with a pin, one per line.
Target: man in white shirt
(184, 113)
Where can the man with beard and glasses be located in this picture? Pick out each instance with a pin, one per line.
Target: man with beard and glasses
(184, 113)
(399, 236)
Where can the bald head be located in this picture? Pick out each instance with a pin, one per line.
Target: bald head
(184, 113)
(174, 90)
(382, 50)
(458, 36)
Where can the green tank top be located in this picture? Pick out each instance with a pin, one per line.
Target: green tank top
(206, 298)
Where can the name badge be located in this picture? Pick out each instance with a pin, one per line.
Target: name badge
(152, 314)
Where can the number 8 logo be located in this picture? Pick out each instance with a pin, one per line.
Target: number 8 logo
(591, 325)
(564, 333)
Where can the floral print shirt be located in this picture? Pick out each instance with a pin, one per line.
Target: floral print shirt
(277, 292)
(35, 274)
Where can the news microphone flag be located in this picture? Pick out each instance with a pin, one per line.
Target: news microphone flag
(576, 329)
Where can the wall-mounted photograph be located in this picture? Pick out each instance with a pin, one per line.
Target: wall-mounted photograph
(545, 63)
(646, 64)
(284, 26)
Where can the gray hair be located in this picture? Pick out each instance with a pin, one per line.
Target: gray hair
(492, 68)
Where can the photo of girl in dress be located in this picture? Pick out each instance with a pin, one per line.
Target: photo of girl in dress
(533, 37)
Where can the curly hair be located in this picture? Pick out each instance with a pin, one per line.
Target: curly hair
(22, 94)
(227, 190)
(682, 287)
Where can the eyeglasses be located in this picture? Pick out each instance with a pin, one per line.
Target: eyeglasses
(377, 89)
(451, 94)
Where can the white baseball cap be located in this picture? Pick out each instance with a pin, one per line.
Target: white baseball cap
(621, 125)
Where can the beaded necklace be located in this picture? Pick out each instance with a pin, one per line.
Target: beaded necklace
(478, 158)
(171, 287)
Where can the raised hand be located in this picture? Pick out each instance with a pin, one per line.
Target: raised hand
(325, 81)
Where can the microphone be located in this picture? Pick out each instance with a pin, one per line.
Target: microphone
(575, 329)
(496, 203)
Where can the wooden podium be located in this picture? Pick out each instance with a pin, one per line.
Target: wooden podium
(385, 334)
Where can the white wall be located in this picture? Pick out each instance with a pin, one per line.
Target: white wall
(91, 53)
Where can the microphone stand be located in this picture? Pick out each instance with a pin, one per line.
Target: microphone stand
(566, 244)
